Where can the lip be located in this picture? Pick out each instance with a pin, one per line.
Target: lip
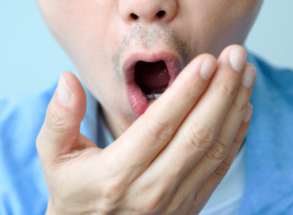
(138, 100)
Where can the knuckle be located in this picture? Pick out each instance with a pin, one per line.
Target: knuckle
(113, 189)
(55, 121)
(223, 137)
(238, 140)
(112, 192)
(158, 130)
(217, 152)
(154, 204)
(198, 203)
(239, 106)
(227, 90)
(176, 205)
(198, 136)
(222, 169)
(241, 101)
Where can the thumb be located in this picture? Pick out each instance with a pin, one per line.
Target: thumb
(60, 132)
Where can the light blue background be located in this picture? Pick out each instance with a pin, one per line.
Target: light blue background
(27, 48)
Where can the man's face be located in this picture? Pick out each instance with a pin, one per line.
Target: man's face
(128, 50)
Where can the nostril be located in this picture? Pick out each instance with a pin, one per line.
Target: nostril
(134, 16)
(161, 13)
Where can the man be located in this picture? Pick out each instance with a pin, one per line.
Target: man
(174, 116)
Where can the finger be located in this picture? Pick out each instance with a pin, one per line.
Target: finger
(199, 183)
(208, 187)
(198, 131)
(138, 146)
(60, 132)
(220, 148)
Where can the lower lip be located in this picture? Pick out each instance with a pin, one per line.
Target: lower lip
(138, 99)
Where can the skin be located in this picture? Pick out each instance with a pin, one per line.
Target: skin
(203, 131)
(93, 33)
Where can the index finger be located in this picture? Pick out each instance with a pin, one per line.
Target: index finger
(145, 138)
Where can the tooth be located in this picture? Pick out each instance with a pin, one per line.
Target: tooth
(157, 95)
(151, 96)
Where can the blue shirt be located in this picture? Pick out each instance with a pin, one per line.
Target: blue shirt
(268, 150)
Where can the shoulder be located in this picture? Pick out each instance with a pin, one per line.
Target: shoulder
(268, 151)
(275, 75)
(21, 118)
(272, 81)
(272, 100)
(261, 63)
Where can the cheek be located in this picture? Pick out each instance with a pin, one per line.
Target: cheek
(79, 26)
(82, 29)
(87, 32)
(217, 24)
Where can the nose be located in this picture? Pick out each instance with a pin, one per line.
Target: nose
(147, 11)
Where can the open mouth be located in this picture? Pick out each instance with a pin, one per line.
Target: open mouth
(147, 78)
(152, 78)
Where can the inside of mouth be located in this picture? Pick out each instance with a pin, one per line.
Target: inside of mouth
(151, 77)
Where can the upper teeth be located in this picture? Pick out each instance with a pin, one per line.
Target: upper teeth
(153, 96)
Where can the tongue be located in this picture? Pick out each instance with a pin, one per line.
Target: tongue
(153, 76)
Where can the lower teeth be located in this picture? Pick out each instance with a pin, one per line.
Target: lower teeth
(153, 96)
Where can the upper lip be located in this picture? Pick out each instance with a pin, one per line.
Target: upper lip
(172, 62)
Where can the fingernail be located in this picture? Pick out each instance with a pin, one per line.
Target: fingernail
(238, 59)
(64, 93)
(248, 77)
(207, 68)
(248, 113)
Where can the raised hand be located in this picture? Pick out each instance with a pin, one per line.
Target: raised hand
(170, 159)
